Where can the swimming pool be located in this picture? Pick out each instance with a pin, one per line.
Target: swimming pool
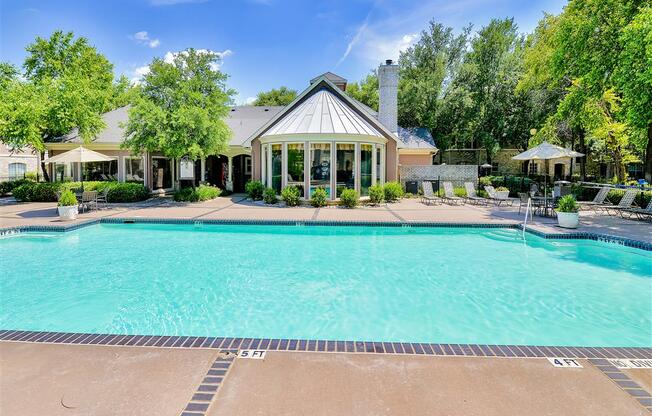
(443, 285)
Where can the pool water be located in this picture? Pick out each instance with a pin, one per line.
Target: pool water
(442, 285)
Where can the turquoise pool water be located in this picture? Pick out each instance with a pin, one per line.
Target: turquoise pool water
(445, 285)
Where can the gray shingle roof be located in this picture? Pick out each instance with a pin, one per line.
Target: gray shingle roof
(415, 138)
(246, 119)
(112, 133)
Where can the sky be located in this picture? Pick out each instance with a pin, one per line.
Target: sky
(263, 44)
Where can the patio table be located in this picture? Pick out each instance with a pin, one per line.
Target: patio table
(543, 206)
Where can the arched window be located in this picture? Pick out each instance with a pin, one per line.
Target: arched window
(17, 171)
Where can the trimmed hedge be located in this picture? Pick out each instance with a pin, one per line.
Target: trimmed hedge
(393, 191)
(290, 194)
(269, 196)
(376, 194)
(349, 198)
(8, 186)
(200, 193)
(47, 191)
(254, 190)
(319, 198)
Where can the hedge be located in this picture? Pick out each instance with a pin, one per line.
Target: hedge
(200, 193)
(8, 186)
(47, 191)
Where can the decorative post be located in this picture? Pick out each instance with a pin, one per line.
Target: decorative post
(229, 177)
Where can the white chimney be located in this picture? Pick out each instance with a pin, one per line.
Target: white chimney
(388, 95)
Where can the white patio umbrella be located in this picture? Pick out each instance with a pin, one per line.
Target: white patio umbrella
(79, 155)
(546, 151)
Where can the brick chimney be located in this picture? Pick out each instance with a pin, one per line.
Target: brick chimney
(388, 95)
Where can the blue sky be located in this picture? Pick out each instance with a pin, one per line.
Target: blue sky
(264, 43)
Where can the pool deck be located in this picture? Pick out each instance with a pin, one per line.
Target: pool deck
(39, 378)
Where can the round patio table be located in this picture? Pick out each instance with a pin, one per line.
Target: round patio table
(543, 206)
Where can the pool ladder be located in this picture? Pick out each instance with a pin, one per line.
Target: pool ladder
(527, 209)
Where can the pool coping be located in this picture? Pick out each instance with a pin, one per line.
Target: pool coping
(327, 346)
(579, 235)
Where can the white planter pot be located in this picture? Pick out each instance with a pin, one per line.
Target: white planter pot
(568, 219)
(502, 194)
(68, 213)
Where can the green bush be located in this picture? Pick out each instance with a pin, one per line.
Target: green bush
(47, 191)
(200, 193)
(254, 190)
(642, 198)
(269, 196)
(319, 197)
(393, 191)
(290, 194)
(376, 194)
(8, 186)
(484, 181)
(349, 198)
(567, 204)
(502, 189)
(457, 191)
(67, 199)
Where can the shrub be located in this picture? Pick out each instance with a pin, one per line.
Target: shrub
(47, 191)
(567, 203)
(484, 181)
(126, 192)
(269, 196)
(319, 197)
(290, 194)
(200, 193)
(642, 198)
(254, 190)
(9, 186)
(31, 176)
(393, 191)
(502, 189)
(67, 199)
(349, 198)
(376, 194)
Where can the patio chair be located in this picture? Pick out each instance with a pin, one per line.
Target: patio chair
(472, 196)
(625, 203)
(491, 191)
(644, 214)
(598, 200)
(428, 194)
(449, 194)
(523, 197)
(89, 200)
(102, 198)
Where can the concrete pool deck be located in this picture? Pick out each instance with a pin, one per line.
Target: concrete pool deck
(57, 379)
(236, 207)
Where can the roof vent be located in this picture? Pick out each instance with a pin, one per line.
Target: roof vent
(388, 62)
(267, 109)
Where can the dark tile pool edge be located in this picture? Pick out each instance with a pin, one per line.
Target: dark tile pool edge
(622, 380)
(306, 345)
(205, 393)
(581, 235)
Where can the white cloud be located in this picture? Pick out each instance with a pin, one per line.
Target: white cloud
(141, 71)
(143, 38)
(250, 100)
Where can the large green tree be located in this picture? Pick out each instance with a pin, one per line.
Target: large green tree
(181, 107)
(280, 96)
(365, 91)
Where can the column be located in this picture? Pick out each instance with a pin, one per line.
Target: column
(306, 169)
(229, 175)
(357, 168)
(284, 165)
(374, 162)
(202, 168)
(333, 168)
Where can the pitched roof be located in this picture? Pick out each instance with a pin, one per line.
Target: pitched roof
(112, 133)
(323, 112)
(246, 119)
(334, 78)
(415, 138)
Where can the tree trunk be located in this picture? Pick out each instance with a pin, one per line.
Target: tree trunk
(46, 177)
(585, 157)
(648, 155)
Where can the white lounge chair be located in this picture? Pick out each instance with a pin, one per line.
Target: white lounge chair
(428, 194)
(597, 201)
(449, 194)
(472, 195)
(639, 213)
(625, 203)
(491, 191)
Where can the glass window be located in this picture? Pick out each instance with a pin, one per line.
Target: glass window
(366, 154)
(378, 165)
(345, 167)
(61, 172)
(277, 158)
(263, 166)
(320, 167)
(17, 171)
(134, 169)
(100, 171)
(296, 166)
(161, 173)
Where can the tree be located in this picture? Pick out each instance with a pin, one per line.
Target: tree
(633, 76)
(365, 91)
(280, 96)
(180, 108)
(67, 84)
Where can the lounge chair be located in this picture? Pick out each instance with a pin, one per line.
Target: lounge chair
(472, 196)
(89, 200)
(644, 214)
(597, 201)
(449, 194)
(428, 194)
(102, 197)
(491, 191)
(625, 203)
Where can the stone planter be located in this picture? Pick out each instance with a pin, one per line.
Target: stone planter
(502, 194)
(68, 213)
(568, 219)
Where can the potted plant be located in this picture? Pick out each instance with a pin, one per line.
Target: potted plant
(67, 207)
(568, 212)
(502, 192)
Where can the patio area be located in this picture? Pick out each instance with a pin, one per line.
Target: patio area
(237, 207)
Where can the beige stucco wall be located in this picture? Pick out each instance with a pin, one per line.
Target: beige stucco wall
(391, 161)
(30, 159)
(256, 160)
(422, 159)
